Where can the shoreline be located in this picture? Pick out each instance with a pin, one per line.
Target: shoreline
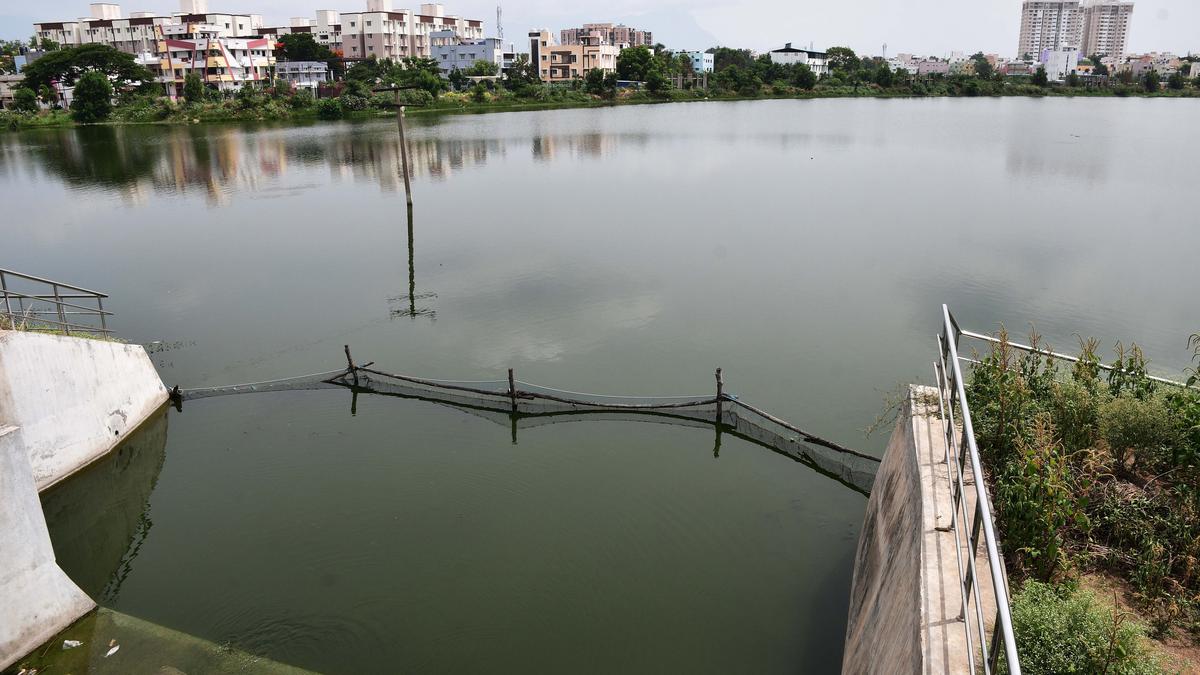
(61, 119)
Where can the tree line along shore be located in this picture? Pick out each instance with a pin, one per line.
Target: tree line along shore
(110, 87)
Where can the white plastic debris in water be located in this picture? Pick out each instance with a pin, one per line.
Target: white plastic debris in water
(71, 644)
(114, 649)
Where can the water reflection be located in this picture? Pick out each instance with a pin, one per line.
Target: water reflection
(99, 518)
(220, 162)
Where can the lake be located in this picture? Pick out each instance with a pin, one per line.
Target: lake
(805, 247)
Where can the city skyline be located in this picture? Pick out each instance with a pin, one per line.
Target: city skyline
(925, 27)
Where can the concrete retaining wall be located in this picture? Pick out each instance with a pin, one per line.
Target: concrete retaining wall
(906, 598)
(37, 599)
(73, 398)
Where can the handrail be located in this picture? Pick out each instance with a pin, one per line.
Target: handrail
(23, 309)
(1056, 355)
(952, 397)
(53, 283)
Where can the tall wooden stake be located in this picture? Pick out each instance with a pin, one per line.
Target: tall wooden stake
(512, 390)
(403, 150)
(350, 365)
(720, 394)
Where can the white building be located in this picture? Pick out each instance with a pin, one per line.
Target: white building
(1050, 24)
(1106, 27)
(788, 55)
(303, 74)
(455, 53)
(702, 62)
(1059, 62)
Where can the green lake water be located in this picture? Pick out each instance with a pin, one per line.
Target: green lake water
(803, 246)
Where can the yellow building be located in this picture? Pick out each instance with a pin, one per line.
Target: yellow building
(563, 63)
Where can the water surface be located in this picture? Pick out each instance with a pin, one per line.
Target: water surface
(804, 246)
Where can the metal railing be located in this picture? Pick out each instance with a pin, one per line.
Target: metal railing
(962, 456)
(48, 305)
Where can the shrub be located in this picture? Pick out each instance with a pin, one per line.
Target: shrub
(1035, 502)
(353, 102)
(301, 100)
(1062, 630)
(93, 98)
(1141, 432)
(25, 100)
(330, 109)
(193, 88)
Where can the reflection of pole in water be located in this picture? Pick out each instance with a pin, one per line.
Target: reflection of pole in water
(412, 310)
(412, 268)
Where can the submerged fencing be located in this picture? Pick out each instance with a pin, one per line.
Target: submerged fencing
(521, 404)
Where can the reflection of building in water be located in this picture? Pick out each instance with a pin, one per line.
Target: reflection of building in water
(437, 158)
(99, 518)
(223, 162)
(547, 148)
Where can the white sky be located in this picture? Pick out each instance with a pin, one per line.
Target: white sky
(924, 27)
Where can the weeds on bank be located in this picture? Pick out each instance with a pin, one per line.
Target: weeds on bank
(1095, 468)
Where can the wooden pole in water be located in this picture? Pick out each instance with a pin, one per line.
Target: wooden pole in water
(512, 390)
(720, 393)
(403, 150)
(350, 365)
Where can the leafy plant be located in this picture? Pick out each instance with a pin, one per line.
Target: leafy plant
(1064, 630)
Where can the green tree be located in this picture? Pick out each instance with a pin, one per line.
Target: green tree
(25, 100)
(983, 68)
(724, 57)
(635, 63)
(739, 80)
(483, 68)
(804, 77)
(1098, 68)
(593, 82)
(883, 76)
(842, 59)
(1125, 76)
(193, 88)
(521, 74)
(1073, 79)
(302, 47)
(1196, 82)
(66, 66)
(93, 98)
(1151, 81)
(1176, 81)
(457, 78)
(1040, 78)
(656, 82)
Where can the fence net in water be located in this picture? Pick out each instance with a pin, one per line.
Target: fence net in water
(522, 405)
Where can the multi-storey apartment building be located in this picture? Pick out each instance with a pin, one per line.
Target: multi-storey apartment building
(455, 53)
(224, 63)
(381, 31)
(618, 34)
(563, 63)
(1049, 24)
(138, 33)
(1106, 27)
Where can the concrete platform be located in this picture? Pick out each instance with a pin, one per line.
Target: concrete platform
(143, 648)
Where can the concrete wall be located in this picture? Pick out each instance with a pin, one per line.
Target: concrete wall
(883, 628)
(74, 399)
(37, 599)
(906, 598)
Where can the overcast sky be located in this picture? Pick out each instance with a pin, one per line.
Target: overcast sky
(925, 27)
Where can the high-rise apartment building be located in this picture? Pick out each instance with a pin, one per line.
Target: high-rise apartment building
(1050, 24)
(1106, 27)
(618, 34)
